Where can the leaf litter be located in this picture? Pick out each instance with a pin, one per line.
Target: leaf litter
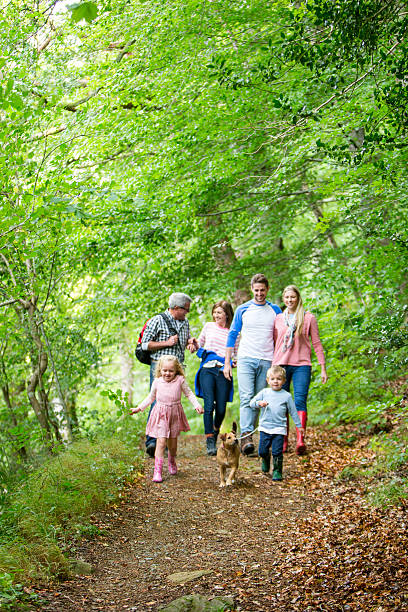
(309, 543)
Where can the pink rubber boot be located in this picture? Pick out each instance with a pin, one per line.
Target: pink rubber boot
(300, 443)
(172, 465)
(158, 467)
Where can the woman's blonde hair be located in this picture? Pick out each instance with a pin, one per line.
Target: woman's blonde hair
(300, 311)
(177, 365)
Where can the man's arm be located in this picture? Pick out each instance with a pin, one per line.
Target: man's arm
(155, 346)
(151, 332)
(233, 334)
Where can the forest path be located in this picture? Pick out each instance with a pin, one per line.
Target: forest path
(308, 543)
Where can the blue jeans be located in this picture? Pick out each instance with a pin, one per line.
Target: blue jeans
(266, 441)
(216, 389)
(251, 374)
(149, 439)
(300, 376)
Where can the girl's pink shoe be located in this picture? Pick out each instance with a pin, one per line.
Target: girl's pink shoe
(158, 467)
(172, 465)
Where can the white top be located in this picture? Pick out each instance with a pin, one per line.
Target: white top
(213, 338)
(256, 341)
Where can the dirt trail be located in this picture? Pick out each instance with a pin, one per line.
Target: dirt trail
(308, 543)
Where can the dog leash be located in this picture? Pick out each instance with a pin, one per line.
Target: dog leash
(248, 434)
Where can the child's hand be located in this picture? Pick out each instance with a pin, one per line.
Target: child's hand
(200, 410)
(134, 410)
(263, 404)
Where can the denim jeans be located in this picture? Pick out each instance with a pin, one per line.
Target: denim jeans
(266, 441)
(216, 389)
(149, 439)
(251, 374)
(300, 376)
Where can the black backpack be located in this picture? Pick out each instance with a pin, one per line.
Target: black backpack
(145, 356)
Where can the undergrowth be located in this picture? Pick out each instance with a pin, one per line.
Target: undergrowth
(387, 476)
(53, 506)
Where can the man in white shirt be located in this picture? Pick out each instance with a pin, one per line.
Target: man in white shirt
(254, 321)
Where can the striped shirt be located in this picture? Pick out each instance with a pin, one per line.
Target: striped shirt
(157, 331)
(214, 338)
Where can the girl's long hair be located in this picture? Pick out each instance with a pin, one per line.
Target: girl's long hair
(300, 311)
(177, 365)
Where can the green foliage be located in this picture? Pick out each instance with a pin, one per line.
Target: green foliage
(14, 596)
(387, 476)
(155, 147)
(392, 493)
(87, 11)
(350, 472)
(391, 451)
(54, 504)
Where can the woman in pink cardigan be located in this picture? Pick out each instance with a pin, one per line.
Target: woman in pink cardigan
(295, 331)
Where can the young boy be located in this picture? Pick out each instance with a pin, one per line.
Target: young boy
(274, 403)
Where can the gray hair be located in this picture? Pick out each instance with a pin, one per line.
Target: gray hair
(179, 300)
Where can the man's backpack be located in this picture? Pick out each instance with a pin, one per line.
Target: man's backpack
(145, 356)
(142, 355)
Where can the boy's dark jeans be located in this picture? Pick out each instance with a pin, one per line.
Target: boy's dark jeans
(215, 389)
(268, 441)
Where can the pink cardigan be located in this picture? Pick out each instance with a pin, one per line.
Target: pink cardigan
(300, 353)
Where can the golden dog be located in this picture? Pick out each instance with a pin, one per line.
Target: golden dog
(228, 455)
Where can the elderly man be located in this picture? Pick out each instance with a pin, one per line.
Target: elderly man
(168, 334)
(255, 322)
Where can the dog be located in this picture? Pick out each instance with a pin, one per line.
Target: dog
(228, 456)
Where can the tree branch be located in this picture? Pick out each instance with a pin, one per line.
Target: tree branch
(277, 199)
(50, 132)
(72, 106)
(123, 52)
(304, 121)
(8, 302)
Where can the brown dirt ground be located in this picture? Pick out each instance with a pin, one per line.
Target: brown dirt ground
(308, 543)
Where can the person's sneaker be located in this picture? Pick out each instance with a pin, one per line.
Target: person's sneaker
(247, 446)
(266, 464)
(211, 446)
(151, 449)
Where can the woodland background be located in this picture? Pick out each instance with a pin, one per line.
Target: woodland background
(150, 147)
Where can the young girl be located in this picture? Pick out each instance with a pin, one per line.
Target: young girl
(167, 418)
(275, 403)
(295, 331)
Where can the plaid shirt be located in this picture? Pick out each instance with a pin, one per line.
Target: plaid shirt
(157, 331)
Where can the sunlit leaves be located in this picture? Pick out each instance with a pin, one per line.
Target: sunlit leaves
(80, 11)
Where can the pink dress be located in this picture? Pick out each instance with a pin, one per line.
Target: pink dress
(167, 418)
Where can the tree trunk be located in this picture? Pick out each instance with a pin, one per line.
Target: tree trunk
(40, 363)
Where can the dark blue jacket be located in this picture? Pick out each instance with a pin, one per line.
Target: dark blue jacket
(206, 356)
